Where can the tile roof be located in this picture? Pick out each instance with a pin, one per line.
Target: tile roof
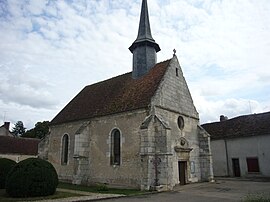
(247, 125)
(17, 145)
(118, 94)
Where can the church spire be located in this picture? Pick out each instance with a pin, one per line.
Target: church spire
(144, 48)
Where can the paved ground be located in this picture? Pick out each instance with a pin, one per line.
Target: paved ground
(221, 190)
(86, 196)
(228, 189)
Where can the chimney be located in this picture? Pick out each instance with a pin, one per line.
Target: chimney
(223, 118)
(6, 125)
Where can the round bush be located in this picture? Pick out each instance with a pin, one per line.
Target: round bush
(5, 166)
(32, 177)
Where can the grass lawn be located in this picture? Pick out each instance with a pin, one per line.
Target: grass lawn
(4, 197)
(259, 197)
(100, 189)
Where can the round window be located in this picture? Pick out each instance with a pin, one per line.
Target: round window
(180, 122)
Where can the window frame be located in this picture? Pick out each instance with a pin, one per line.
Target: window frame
(65, 149)
(180, 122)
(116, 147)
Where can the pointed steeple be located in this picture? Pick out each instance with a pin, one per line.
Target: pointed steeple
(144, 48)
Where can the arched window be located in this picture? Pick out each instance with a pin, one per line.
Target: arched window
(115, 147)
(65, 142)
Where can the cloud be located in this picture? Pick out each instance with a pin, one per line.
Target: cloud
(20, 87)
(210, 110)
(55, 48)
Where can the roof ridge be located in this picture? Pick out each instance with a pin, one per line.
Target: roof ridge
(239, 117)
(98, 82)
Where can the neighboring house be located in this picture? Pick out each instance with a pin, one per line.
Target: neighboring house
(140, 129)
(16, 148)
(4, 130)
(241, 145)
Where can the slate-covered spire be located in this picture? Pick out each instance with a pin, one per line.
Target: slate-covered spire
(144, 48)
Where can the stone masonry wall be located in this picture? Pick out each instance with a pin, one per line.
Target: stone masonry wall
(155, 155)
(172, 100)
(128, 172)
(173, 93)
(90, 147)
(205, 156)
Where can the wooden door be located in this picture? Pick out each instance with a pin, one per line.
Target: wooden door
(182, 166)
(236, 167)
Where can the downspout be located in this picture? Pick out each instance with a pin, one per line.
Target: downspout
(227, 157)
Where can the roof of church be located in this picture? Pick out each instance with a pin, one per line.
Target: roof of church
(247, 125)
(17, 145)
(115, 95)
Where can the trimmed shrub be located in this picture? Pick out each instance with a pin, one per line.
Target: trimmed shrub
(5, 166)
(102, 187)
(32, 177)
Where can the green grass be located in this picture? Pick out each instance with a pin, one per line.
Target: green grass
(258, 197)
(103, 189)
(4, 197)
(100, 189)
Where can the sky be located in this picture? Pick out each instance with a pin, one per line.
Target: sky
(50, 50)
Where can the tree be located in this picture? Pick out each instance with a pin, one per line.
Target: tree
(42, 129)
(39, 131)
(18, 129)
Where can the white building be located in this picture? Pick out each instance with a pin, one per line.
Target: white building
(241, 146)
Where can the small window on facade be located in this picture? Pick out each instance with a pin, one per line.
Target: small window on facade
(176, 71)
(180, 122)
(253, 165)
(65, 143)
(115, 147)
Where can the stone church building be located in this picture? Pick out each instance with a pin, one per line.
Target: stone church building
(140, 129)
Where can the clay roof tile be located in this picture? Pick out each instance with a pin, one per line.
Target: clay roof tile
(115, 95)
(247, 125)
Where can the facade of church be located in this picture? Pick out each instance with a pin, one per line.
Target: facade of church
(140, 129)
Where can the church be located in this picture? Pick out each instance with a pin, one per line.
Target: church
(140, 129)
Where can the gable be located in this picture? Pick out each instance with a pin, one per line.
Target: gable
(248, 125)
(173, 93)
(115, 95)
(149, 118)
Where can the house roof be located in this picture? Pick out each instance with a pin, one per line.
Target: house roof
(4, 130)
(17, 145)
(118, 94)
(247, 125)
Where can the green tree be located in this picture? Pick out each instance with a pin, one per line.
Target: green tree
(39, 131)
(18, 129)
(30, 133)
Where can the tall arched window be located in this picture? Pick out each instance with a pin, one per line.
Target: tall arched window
(65, 142)
(115, 147)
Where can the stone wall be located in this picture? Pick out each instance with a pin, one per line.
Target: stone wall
(155, 154)
(128, 172)
(206, 162)
(173, 93)
(171, 101)
(90, 150)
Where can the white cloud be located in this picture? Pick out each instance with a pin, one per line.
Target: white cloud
(55, 48)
